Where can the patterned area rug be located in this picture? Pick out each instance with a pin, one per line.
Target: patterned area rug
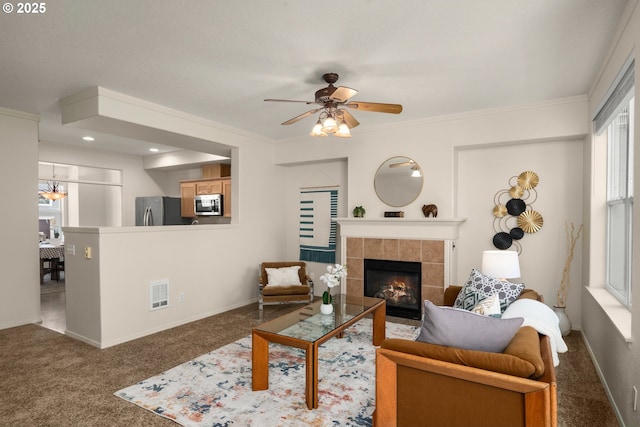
(215, 389)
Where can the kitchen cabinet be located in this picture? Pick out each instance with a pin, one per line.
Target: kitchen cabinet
(226, 194)
(217, 170)
(187, 200)
(209, 187)
(189, 190)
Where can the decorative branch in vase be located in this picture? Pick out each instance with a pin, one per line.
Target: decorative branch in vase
(565, 283)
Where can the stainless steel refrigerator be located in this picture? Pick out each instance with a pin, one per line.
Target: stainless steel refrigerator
(159, 210)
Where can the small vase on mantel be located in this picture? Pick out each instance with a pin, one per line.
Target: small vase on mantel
(565, 323)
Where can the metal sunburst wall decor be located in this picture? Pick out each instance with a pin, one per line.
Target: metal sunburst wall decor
(514, 216)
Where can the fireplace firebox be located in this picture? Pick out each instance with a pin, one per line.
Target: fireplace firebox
(397, 282)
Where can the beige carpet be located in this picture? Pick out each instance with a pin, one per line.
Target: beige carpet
(48, 379)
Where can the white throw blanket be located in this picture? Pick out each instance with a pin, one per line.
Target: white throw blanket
(543, 319)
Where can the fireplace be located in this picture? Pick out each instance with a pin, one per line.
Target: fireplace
(397, 282)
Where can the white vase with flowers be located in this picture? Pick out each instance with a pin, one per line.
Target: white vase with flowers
(333, 277)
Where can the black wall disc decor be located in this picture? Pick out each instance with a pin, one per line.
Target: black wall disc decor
(516, 233)
(513, 213)
(502, 240)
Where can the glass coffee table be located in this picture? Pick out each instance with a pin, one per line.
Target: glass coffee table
(307, 329)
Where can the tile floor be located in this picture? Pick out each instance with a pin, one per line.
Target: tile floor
(53, 305)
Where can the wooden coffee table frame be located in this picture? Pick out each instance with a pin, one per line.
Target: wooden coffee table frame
(260, 350)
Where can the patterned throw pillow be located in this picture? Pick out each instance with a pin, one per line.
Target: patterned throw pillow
(479, 287)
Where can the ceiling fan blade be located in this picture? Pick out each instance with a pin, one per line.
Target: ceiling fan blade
(397, 165)
(288, 100)
(349, 119)
(342, 94)
(301, 116)
(376, 107)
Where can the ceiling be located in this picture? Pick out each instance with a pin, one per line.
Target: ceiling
(219, 59)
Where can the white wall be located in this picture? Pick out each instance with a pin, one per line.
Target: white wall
(617, 361)
(437, 145)
(485, 171)
(20, 284)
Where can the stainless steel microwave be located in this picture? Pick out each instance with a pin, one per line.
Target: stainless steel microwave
(208, 204)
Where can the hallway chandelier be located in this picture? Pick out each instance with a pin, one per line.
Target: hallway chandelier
(54, 189)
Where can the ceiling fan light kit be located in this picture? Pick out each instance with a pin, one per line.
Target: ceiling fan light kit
(317, 129)
(333, 120)
(329, 125)
(343, 130)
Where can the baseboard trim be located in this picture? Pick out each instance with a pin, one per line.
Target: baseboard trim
(15, 324)
(602, 379)
(120, 340)
(82, 338)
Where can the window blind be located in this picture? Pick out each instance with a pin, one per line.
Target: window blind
(622, 92)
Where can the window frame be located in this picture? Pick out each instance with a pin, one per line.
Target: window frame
(620, 192)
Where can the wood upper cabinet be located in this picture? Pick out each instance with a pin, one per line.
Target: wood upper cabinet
(209, 187)
(187, 201)
(226, 197)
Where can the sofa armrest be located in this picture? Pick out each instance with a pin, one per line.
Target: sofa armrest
(414, 390)
(450, 295)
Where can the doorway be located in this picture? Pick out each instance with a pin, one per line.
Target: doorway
(93, 197)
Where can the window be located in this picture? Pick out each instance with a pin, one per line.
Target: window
(615, 119)
(620, 203)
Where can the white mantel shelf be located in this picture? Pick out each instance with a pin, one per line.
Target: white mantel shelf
(401, 228)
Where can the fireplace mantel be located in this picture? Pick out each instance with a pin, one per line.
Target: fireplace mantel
(401, 228)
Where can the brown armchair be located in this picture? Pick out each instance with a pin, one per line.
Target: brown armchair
(421, 384)
(283, 292)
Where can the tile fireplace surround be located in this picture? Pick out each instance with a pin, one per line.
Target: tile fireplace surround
(429, 241)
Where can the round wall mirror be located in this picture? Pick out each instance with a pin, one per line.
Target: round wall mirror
(398, 181)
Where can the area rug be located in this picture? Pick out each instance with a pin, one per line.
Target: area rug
(215, 389)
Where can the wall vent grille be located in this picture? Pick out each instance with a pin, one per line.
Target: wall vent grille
(158, 295)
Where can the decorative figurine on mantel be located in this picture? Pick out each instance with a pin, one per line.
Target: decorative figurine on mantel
(430, 211)
(358, 212)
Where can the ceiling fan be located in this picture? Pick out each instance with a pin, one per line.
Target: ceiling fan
(413, 167)
(334, 119)
(411, 163)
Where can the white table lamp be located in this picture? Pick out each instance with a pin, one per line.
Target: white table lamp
(501, 264)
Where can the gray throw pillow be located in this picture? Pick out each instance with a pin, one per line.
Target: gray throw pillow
(454, 327)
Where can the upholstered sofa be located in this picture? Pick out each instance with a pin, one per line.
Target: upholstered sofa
(422, 384)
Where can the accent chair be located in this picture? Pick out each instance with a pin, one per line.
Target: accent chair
(284, 283)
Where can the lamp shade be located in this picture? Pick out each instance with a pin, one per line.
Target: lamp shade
(501, 264)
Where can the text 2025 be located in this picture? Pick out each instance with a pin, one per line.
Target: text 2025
(31, 7)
